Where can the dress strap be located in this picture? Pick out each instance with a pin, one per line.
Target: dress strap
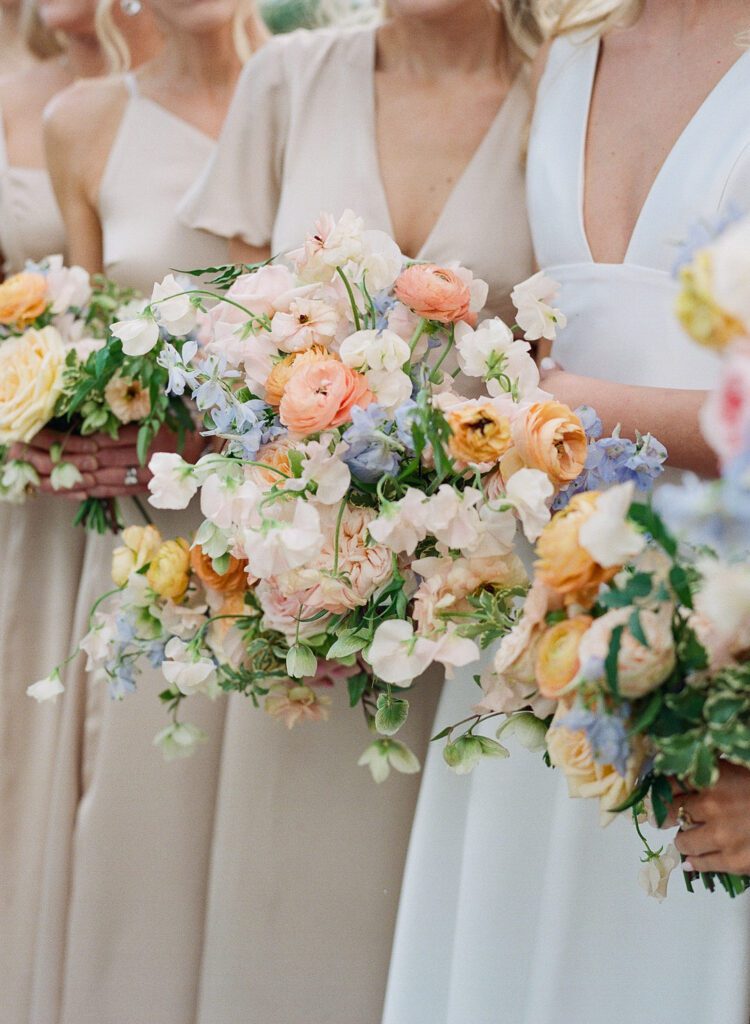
(131, 84)
(3, 146)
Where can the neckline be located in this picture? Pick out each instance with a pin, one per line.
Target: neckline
(166, 112)
(460, 180)
(663, 173)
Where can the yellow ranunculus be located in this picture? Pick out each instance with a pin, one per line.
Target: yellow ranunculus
(698, 311)
(31, 374)
(557, 655)
(480, 434)
(23, 298)
(140, 545)
(563, 564)
(169, 572)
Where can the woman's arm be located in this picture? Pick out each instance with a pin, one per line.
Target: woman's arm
(241, 252)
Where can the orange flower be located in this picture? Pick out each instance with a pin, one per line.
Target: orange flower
(557, 660)
(322, 394)
(434, 293)
(279, 376)
(276, 454)
(565, 566)
(550, 437)
(23, 298)
(234, 580)
(480, 433)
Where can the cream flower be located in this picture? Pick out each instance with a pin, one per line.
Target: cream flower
(288, 541)
(138, 336)
(172, 307)
(401, 525)
(655, 873)
(48, 689)
(307, 322)
(374, 350)
(530, 492)
(607, 535)
(536, 316)
(127, 399)
(68, 287)
(140, 544)
(173, 484)
(396, 655)
(390, 390)
(724, 600)
(31, 375)
(188, 673)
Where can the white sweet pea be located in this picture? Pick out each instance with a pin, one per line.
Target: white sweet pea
(190, 674)
(402, 524)
(173, 308)
(454, 651)
(324, 467)
(536, 316)
(607, 535)
(179, 739)
(173, 484)
(497, 533)
(453, 519)
(482, 350)
(65, 476)
(397, 655)
(228, 502)
(654, 875)
(291, 540)
(17, 479)
(68, 287)
(46, 689)
(530, 491)
(138, 336)
(391, 388)
(380, 262)
(478, 289)
(96, 644)
(375, 350)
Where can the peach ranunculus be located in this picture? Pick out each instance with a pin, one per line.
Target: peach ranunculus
(296, 703)
(232, 581)
(23, 298)
(140, 544)
(563, 564)
(550, 437)
(322, 394)
(127, 399)
(282, 370)
(31, 376)
(274, 454)
(480, 434)
(169, 572)
(434, 293)
(557, 661)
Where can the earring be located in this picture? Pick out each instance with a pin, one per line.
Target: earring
(131, 7)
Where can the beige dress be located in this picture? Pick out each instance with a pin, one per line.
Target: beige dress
(308, 851)
(40, 563)
(127, 854)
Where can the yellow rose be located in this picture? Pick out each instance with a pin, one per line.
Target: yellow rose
(31, 373)
(565, 566)
(697, 310)
(557, 661)
(169, 572)
(140, 545)
(551, 437)
(279, 376)
(479, 433)
(23, 298)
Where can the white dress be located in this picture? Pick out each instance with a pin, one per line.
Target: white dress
(306, 937)
(517, 908)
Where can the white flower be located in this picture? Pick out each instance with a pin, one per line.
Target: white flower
(384, 754)
(65, 476)
(307, 322)
(497, 532)
(17, 479)
(724, 597)
(607, 535)
(533, 300)
(396, 655)
(228, 502)
(478, 289)
(96, 644)
(137, 336)
(181, 620)
(454, 651)
(654, 875)
(453, 519)
(731, 287)
(173, 308)
(324, 468)
(374, 350)
(401, 525)
(482, 350)
(179, 739)
(46, 689)
(391, 389)
(137, 593)
(529, 491)
(173, 484)
(333, 244)
(188, 672)
(380, 261)
(68, 288)
(291, 540)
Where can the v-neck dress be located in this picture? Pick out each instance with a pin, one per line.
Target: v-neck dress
(517, 908)
(129, 840)
(307, 937)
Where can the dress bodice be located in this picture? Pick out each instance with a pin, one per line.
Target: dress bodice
(621, 322)
(154, 158)
(31, 225)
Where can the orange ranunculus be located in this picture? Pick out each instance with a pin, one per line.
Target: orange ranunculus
(551, 437)
(480, 434)
(557, 655)
(279, 376)
(232, 581)
(23, 298)
(322, 394)
(563, 564)
(434, 293)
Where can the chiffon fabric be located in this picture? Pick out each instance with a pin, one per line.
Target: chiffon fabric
(539, 918)
(307, 864)
(129, 838)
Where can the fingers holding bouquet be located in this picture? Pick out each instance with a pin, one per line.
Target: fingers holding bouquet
(714, 824)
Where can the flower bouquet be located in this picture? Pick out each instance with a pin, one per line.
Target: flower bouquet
(59, 368)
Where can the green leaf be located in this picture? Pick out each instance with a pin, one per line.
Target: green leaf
(635, 797)
(680, 583)
(661, 798)
(391, 714)
(610, 664)
(357, 686)
(706, 770)
(221, 564)
(723, 709)
(677, 754)
(442, 734)
(345, 646)
(649, 714)
(145, 437)
(645, 517)
(636, 628)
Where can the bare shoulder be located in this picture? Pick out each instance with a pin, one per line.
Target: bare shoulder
(26, 93)
(85, 110)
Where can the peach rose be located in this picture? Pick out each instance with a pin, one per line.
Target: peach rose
(565, 566)
(169, 572)
(479, 433)
(282, 370)
(233, 581)
(23, 298)
(557, 655)
(127, 399)
(322, 394)
(550, 437)
(434, 293)
(639, 669)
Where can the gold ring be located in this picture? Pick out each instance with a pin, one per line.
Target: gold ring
(684, 820)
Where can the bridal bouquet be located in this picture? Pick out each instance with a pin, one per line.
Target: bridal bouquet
(60, 369)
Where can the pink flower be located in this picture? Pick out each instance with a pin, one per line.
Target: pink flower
(305, 323)
(321, 395)
(258, 292)
(725, 418)
(281, 612)
(329, 673)
(295, 703)
(435, 293)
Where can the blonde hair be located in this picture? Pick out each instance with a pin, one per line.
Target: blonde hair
(40, 40)
(598, 15)
(525, 22)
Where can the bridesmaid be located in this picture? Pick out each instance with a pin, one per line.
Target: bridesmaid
(611, 192)
(429, 109)
(17, 51)
(41, 555)
(129, 839)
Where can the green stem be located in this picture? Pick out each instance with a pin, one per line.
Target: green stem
(342, 508)
(347, 285)
(446, 350)
(420, 329)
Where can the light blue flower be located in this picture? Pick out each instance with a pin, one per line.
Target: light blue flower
(607, 735)
(371, 453)
(121, 679)
(404, 420)
(702, 234)
(155, 653)
(126, 629)
(176, 364)
(590, 422)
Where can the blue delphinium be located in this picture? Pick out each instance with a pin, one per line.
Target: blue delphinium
(371, 453)
(702, 234)
(607, 735)
(404, 419)
(176, 364)
(590, 422)
(121, 678)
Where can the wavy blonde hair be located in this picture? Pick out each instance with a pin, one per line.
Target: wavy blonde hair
(40, 40)
(598, 15)
(526, 23)
(249, 34)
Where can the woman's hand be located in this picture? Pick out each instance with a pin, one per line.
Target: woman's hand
(80, 451)
(717, 836)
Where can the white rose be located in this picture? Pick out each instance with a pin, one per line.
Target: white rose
(31, 375)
